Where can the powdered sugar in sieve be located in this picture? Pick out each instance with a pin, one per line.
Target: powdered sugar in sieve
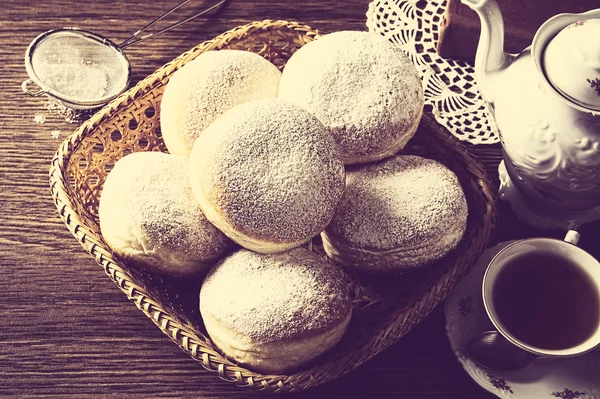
(79, 68)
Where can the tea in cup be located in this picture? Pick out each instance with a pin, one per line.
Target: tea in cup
(543, 296)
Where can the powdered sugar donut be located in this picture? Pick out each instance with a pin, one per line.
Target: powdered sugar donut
(206, 87)
(149, 217)
(282, 310)
(362, 87)
(396, 215)
(268, 175)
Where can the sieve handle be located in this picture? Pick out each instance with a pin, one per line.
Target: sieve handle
(25, 88)
(136, 38)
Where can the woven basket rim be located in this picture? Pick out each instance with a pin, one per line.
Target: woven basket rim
(182, 334)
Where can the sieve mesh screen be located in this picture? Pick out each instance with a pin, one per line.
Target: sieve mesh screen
(79, 67)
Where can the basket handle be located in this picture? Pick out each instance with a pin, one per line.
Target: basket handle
(25, 88)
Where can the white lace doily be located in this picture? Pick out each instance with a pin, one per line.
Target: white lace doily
(451, 93)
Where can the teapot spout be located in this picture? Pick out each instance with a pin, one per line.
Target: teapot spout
(490, 57)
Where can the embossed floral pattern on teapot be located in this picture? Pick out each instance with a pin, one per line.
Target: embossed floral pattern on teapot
(548, 117)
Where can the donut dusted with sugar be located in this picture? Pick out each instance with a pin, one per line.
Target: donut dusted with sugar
(149, 217)
(280, 310)
(208, 86)
(396, 215)
(267, 174)
(363, 88)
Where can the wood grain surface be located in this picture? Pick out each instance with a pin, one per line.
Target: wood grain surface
(65, 329)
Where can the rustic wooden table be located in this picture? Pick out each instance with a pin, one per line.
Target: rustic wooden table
(89, 341)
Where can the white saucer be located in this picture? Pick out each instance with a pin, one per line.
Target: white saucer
(573, 378)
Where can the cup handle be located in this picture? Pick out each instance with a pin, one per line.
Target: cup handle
(491, 350)
(572, 237)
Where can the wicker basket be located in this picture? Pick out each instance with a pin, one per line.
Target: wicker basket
(384, 308)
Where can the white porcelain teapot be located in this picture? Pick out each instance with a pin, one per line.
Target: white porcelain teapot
(546, 102)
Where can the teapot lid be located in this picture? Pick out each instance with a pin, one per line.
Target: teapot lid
(571, 62)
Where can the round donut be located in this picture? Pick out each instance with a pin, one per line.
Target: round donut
(364, 89)
(396, 215)
(273, 313)
(206, 87)
(149, 217)
(268, 175)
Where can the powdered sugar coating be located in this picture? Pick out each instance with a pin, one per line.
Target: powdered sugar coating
(401, 213)
(208, 86)
(275, 297)
(148, 215)
(270, 170)
(362, 87)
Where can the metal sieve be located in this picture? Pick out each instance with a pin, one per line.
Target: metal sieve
(84, 70)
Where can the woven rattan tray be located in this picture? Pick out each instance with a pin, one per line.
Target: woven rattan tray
(384, 308)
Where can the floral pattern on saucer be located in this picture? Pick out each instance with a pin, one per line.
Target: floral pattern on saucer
(573, 378)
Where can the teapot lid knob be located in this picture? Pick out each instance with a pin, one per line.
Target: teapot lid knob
(571, 62)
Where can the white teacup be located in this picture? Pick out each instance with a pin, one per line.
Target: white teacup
(577, 258)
